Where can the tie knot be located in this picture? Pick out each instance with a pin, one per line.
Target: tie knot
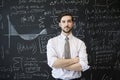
(66, 38)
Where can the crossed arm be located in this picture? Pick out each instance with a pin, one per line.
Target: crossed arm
(68, 64)
(75, 64)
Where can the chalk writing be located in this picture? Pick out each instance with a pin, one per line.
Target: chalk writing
(27, 47)
(65, 2)
(43, 42)
(27, 25)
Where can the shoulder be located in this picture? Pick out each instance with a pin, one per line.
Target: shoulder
(78, 40)
(53, 39)
(80, 43)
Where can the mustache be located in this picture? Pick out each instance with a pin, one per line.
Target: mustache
(66, 26)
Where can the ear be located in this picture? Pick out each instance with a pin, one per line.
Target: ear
(73, 23)
(59, 24)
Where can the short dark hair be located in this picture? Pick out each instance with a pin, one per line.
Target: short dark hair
(64, 14)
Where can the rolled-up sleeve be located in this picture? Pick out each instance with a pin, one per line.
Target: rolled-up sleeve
(83, 57)
(51, 53)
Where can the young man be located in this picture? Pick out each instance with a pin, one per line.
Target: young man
(66, 63)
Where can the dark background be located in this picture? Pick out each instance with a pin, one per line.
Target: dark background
(26, 26)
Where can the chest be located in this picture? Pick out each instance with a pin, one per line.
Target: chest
(74, 48)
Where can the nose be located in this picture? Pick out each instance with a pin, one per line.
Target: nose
(66, 23)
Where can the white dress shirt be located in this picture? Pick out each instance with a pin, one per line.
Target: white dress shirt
(55, 49)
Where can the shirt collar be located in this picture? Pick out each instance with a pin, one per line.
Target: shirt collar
(69, 36)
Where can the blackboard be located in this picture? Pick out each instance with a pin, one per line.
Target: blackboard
(26, 26)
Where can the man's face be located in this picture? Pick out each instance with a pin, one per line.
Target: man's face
(66, 24)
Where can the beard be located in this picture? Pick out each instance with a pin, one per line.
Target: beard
(67, 31)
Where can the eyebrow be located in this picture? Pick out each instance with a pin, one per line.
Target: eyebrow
(67, 20)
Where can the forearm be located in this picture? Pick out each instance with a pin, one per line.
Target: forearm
(74, 67)
(61, 63)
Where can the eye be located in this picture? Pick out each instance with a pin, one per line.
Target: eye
(69, 21)
(63, 21)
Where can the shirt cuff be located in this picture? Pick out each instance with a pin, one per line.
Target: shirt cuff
(84, 66)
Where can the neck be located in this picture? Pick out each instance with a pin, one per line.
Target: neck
(66, 34)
